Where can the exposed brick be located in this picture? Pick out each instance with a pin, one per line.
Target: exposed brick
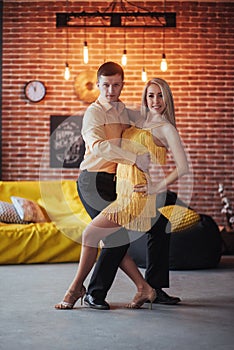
(200, 53)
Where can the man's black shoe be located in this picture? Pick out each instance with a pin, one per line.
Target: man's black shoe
(95, 303)
(163, 298)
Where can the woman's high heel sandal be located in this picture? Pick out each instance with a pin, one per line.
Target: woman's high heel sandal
(141, 297)
(73, 297)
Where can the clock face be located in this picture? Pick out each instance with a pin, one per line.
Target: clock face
(35, 90)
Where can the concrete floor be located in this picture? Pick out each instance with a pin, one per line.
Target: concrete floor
(204, 320)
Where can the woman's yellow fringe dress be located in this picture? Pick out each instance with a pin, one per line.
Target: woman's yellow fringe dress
(131, 209)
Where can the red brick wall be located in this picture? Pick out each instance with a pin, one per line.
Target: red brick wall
(200, 57)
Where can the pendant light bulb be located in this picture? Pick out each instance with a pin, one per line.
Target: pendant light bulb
(124, 58)
(143, 75)
(86, 52)
(163, 65)
(67, 72)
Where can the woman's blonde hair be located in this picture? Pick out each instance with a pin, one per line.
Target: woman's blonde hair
(169, 112)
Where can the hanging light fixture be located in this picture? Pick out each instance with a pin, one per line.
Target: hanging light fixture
(143, 72)
(85, 47)
(118, 14)
(124, 56)
(86, 52)
(143, 75)
(67, 73)
(163, 64)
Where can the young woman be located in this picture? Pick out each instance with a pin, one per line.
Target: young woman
(134, 207)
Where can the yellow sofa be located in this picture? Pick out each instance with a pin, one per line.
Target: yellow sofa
(56, 240)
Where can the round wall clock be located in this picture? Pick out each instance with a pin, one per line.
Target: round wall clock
(35, 90)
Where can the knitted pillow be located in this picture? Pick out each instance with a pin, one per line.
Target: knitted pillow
(8, 214)
(180, 217)
(28, 210)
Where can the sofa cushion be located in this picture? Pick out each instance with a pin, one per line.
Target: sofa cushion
(28, 210)
(57, 240)
(36, 243)
(9, 214)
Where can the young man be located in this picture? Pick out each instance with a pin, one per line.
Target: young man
(103, 124)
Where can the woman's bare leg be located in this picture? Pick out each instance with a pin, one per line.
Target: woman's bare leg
(144, 291)
(98, 229)
(127, 264)
(87, 260)
(130, 268)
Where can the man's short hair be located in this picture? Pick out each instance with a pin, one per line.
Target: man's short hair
(110, 68)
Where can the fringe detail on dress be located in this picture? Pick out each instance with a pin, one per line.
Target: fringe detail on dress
(133, 212)
(131, 209)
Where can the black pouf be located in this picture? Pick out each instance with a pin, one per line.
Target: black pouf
(199, 247)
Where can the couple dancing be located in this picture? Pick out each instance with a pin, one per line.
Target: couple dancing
(120, 144)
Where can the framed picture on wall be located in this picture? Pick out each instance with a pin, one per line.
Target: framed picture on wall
(66, 143)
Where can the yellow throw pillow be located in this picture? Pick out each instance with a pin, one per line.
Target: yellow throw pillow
(180, 217)
(28, 210)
